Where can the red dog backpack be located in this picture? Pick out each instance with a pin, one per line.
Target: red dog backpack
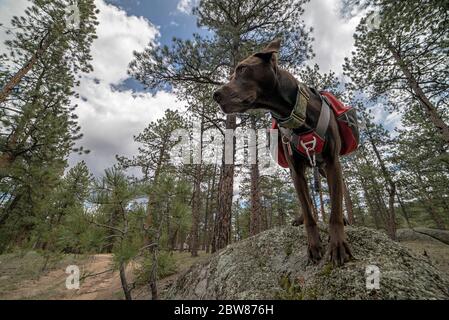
(347, 123)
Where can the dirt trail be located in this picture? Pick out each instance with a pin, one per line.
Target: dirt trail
(99, 282)
(103, 284)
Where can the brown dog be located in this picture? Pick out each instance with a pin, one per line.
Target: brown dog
(258, 83)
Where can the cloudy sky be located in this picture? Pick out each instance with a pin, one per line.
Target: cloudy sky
(113, 108)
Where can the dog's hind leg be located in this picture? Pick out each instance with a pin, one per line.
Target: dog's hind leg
(315, 249)
(338, 247)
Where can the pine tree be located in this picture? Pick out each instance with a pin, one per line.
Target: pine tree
(38, 125)
(114, 194)
(405, 57)
(425, 171)
(48, 26)
(377, 137)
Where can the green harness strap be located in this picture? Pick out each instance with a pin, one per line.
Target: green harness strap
(298, 115)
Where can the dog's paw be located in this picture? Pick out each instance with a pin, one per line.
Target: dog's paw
(339, 252)
(315, 248)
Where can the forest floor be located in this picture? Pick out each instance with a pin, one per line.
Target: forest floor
(99, 281)
(19, 278)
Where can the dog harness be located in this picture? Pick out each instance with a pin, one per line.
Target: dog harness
(309, 142)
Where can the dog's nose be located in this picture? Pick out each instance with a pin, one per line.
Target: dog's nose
(217, 96)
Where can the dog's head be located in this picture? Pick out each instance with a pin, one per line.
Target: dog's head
(252, 78)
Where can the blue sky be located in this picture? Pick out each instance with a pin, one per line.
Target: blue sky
(164, 14)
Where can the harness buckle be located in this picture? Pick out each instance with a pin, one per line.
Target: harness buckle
(287, 141)
(309, 147)
(306, 147)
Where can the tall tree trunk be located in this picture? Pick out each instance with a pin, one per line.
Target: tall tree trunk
(153, 274)
(378, 205)
(360, 212)
(10, 152)
(403, 210)
(372, 208)
(391, 216)
(281, 212)
(150, 241)
(255, 222)
(196, 206)
(113, 219)
(173, 239)
(44, 44)
(125, 286)
(391, 188)
(323, 212)
(154, 251)
(206, 217)
(429, 205)
(237, 234)
(424, 101)
(222, 226)
(196, 203)
(209, 210)
(270, 210)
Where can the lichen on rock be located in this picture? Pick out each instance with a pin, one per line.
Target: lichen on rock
(274, 265)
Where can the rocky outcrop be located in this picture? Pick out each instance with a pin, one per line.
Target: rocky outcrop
(274, 265)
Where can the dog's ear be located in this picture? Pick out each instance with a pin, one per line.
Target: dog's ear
(274, 46)
(268, 54)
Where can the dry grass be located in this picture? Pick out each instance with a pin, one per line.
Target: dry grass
(437, 252)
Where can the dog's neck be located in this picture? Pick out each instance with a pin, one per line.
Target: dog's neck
(282, 99)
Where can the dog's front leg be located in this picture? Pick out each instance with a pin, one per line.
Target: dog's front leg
(315, 249)
(339, 250)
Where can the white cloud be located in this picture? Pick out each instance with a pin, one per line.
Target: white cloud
(333, 35)
(118, 35)
(185, 6)
(110, 118)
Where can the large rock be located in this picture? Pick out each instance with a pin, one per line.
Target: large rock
(274, 265)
